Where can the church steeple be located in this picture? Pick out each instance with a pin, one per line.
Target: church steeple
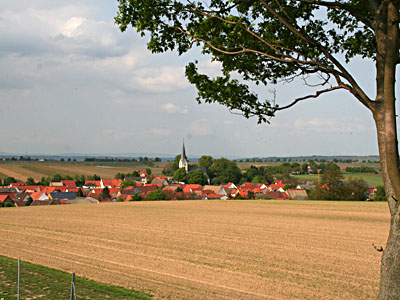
(183, 163)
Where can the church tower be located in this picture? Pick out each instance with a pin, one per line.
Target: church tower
(183, 163)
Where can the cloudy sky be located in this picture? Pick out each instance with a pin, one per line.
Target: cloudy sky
(70, 82)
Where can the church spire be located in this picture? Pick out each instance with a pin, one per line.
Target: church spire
(183, 163)
(183, 155)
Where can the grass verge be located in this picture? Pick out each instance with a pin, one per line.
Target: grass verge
(39, 282)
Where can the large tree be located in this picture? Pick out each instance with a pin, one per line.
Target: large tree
(265, 41)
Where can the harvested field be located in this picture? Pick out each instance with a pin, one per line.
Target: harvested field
(209, 249)
(37, 170)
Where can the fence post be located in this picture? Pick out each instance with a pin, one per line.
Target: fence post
(19, 278)
(73, 286)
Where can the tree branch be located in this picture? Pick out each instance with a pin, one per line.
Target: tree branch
(289, 59)
(342, 6)
(316, 95)
(356, 89)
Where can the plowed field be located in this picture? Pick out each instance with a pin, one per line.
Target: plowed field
(209, 249)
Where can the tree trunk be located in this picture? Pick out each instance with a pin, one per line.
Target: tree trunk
(384, 112)
(390, 268)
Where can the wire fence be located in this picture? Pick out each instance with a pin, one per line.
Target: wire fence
(73, 290)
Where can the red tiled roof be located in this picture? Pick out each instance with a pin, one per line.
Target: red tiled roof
(17, 184)
(95, 182)
(36, 188)
(10, 194)
(211, 195)
(69, 183)
(112, 182)
(4, 198)
(143, 174)
(36, 195)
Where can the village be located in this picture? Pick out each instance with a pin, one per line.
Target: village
(142, 185)
(109, 190)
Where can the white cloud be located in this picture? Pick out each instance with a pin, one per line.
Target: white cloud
(173, 109)
(199, 128)
(330, 125)
(70, 27)
(161, 131)
(164, 79)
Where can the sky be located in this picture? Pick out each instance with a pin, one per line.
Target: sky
(71, 82)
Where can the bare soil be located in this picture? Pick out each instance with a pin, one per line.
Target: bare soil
(209, 249)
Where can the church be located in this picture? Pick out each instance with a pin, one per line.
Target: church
(183, 163)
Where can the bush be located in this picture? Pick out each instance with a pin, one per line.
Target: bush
(380, 194)
(156, 195)
(136, 197)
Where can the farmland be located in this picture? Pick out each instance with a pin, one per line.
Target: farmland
(209, 249)
(373, 179)
(37, 170)
(22, 170)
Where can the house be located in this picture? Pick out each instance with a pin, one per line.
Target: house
(110, 183)
(217, 189)
(12, 195)
(65, 195)
(146, 189)
(82, 200)
(39, 196)
(56, 183)
(22, 199)
(69, 183)
(54, 189)
(44, 202)
(277, 195)
(230, 185)
(143, 176)
(4, 199)
(210, 195)
(297, 194)
(160, 182)
(31, 188)
(17, 184)
(92, 184)
(190, 188)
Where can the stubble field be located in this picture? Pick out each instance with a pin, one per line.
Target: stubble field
(209, 249)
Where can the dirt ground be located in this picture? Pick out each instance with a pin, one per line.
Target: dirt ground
(209, 249)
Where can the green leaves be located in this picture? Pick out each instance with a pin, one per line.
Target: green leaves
(260, 41)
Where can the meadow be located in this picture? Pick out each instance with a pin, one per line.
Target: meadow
(209, 249)
(41, 282)
(373, 179)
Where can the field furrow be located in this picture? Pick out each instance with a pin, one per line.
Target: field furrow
(209, 249)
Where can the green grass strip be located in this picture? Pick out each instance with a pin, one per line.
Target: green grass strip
(39, 282)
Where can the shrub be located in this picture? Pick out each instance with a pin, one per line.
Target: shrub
(156, 195)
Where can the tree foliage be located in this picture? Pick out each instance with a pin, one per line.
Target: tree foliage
(266, 41)
(334, 187)
(156, 195)
(124, 184)
(180, 175)
(30, 181)
(9, 180)
(224, 170)
(197, 177)
(262, 41)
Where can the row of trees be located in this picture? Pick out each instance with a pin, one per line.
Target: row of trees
(223, 170)
(362, 169)
(334, 187)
